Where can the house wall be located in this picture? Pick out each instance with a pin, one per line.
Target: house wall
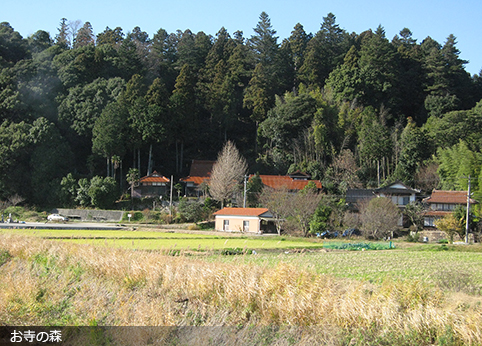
(236, 223)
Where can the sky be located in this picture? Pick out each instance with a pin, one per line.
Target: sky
(434, 18)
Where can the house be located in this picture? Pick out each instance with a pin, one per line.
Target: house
(199, 174)
(293, 182)
(152, 185)
(252, 220)
(441, 203)
(399, 193)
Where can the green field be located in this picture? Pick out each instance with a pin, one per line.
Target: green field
(154, 240)
(456, 268)
(451, 270)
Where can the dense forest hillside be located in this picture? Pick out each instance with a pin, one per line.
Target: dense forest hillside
(352, 109)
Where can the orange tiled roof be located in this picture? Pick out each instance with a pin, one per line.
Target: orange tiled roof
(241, 211)
(195, 180)
(280, 181)
(154, 178)
(452, 197)
(200, 172)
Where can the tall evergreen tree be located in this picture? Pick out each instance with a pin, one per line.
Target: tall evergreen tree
(324, 52)
(85, 36)
(62, 38)
(183, 107)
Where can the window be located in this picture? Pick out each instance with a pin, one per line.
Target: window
(226, 225)
(428, 221)
(245, 226)
(401, 200)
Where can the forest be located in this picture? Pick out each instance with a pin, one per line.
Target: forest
(352, 109)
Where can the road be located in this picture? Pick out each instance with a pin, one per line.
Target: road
(63, 225)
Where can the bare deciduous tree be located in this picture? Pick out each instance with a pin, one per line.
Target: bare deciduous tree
(278, 203)
(303, 206)
(427, 178)
(379, 217)
(16, 199)
(227, 173)
(345, 171)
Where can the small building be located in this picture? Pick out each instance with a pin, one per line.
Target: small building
(152, 186)
(199, 175)
(249, 220)
(441, 203)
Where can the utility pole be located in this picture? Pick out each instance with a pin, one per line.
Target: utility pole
(468, 215)
(170, 201)
(245, 184)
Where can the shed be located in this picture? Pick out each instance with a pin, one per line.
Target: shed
(252, 220)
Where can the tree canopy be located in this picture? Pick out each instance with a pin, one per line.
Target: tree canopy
(351, 109)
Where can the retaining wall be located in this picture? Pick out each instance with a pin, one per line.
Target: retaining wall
(90, 214)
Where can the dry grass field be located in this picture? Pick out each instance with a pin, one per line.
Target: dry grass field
(395, 297)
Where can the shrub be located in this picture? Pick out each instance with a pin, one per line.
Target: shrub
(413, 237)
(136, 216)
(191, 211)
(193, 227)
(319, 222)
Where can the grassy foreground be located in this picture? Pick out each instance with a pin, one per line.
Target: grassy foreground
(45, 282)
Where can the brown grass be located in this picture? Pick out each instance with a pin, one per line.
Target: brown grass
(54, 283)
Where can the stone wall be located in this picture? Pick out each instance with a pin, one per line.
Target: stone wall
(434, 236)
(91, 214)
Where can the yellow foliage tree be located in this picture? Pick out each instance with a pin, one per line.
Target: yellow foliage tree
(450, 225)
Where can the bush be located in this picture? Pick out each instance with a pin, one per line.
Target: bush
(319, 222)
(191, 211)
(15, 211)
(136, 216)
(413, 237)
(193, 227)
(103, 192)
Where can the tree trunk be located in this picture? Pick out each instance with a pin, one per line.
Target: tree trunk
(139, 159)
(134, 158)
(177, 157)
(256, 140)
(121, 179)
(181, 157)
(108, 168)
(149, 165)
(378, 172)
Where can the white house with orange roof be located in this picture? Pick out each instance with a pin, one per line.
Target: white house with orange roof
(249, 220)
